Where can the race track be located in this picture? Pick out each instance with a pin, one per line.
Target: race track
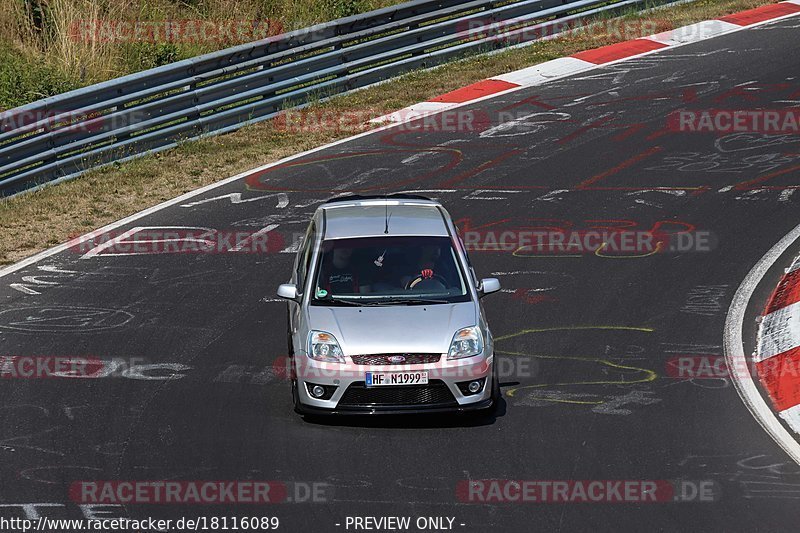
(585, 340)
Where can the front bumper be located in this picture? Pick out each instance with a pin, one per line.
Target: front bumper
(350, 396)
(307, 410)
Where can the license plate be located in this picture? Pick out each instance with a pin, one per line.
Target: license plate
(383, 379)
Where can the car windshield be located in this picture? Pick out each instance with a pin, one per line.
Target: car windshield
(377, 270)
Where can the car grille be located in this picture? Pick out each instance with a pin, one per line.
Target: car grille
(383, 359)
(435, 393)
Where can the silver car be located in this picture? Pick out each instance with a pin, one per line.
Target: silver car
(385, 313)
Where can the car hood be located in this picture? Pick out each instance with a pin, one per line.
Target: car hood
(394, 329)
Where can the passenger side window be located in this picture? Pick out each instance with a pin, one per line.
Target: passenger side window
(305, 257)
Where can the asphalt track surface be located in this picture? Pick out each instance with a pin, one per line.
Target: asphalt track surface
(566, 328)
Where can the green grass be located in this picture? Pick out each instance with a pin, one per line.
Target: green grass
(42, 52)
(22, 81)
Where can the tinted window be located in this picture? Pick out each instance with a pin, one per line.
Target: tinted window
(382, 269)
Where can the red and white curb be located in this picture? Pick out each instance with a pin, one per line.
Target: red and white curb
(587, 59)
(777, 357)
(767, 416)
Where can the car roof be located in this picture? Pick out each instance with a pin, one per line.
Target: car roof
(366, 217)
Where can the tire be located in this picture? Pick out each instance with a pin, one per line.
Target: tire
(295, 398)
(496, 393)
(290, 370)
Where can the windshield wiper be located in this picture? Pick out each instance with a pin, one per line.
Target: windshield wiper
(412, 301)
(382, 302)
(346, 302)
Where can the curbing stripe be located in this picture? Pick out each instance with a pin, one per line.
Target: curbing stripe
(413, 112)
(563, 66)
(734, 351)
(779, 375)
(792, 418)
(762, 14)
(475, 91)
(779, 332)
(694, 32)
(615, 52)
(787, 292)
(778, 352)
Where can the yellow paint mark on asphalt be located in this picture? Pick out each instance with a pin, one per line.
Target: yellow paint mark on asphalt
(648, 254)
(648, 376)
(574, 328)
(597, 252)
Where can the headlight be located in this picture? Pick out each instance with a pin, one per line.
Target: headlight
(466, 343)
(323, 346)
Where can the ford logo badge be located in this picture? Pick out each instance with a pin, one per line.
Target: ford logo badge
(397, 359)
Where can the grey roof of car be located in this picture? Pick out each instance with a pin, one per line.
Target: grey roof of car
(367, 218)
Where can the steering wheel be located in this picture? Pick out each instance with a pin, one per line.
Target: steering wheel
(413, 282)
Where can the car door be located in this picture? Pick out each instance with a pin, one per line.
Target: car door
(301, 271)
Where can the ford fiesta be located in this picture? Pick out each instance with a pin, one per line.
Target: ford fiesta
(385, 313)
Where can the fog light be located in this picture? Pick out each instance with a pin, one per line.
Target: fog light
(474, 386)
(317, 391)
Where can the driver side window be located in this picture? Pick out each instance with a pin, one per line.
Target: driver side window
(472, 275)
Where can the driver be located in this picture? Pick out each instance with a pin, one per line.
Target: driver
(424, 269)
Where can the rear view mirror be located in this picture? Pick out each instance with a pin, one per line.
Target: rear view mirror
(288, 291)
(489, 285)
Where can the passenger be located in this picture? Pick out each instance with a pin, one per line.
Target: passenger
(340, 276)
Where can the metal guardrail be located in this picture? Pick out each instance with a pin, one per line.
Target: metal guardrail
(61, 137)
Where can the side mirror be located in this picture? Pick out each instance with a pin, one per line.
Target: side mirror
(288, 291)
(488, 286)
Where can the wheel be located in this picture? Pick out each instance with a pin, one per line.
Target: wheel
(290, 370)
